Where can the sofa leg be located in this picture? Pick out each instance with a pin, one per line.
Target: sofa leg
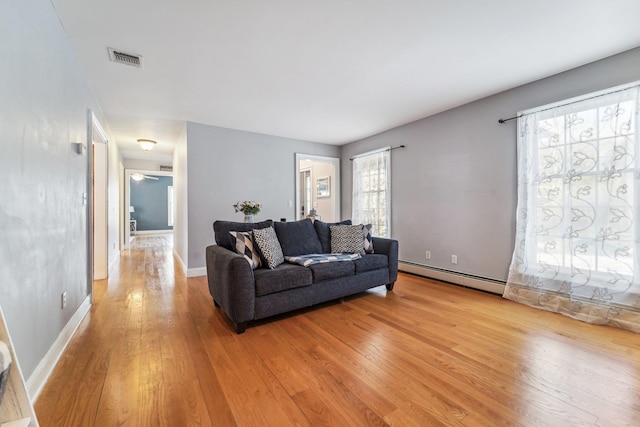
(390, 286)
(241, 327)
(216, 303)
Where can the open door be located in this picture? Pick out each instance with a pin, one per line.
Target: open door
(96, 200)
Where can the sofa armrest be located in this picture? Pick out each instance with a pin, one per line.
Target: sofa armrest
(231, 283)
(388, 247)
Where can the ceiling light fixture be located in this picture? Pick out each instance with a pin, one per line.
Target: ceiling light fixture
(147, 144)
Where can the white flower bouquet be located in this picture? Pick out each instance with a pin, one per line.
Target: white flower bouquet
(247, 207)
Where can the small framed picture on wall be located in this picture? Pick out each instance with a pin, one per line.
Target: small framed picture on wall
(323, 187)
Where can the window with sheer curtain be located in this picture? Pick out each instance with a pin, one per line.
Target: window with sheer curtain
(577, 239)
(371, 202)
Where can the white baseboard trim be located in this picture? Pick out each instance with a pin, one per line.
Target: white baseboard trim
(114, 261)
(489, 285)
(139, 232)
(41, 374)
(180, 262)
(195, 272)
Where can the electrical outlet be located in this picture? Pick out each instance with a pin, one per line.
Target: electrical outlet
(454, 259)
(63, 298)
(428, 255)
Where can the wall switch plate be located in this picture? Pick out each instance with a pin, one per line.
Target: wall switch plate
(428, 255)
(63, 299)
(290, 203)
(84, 199)
(454, 259)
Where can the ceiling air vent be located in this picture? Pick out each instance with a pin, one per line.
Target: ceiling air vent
(125, 58)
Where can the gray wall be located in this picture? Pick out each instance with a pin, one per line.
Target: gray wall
(226, 166)
(454, 186)
(44, 99)
(150, 202)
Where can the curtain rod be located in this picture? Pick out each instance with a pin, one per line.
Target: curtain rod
(388, 149)
(501, 121)
(575, 100)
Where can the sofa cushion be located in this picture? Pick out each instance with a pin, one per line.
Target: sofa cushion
(282, 278)
(269, 246)
(324, 234)
(370, 262)
(222, 228)
(243, 244)
(347, 239)
(298, 238)
(331, 270)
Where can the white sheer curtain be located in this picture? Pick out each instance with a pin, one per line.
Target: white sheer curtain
(577, 246)
(371, 200)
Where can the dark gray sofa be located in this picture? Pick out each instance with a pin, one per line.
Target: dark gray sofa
(245, 294)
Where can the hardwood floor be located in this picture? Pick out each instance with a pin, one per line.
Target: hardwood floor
(153, 351)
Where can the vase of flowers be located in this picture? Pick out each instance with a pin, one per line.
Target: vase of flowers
(248, 208)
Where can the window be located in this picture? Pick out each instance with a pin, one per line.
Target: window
(577, 249)
(584, 175)
(579, 197)
(372, 191)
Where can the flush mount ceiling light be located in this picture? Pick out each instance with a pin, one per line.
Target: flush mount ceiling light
(147, 144)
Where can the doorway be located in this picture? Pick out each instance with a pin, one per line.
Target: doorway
(317, 187)
(132, 213)
(96, 201)
(99, 200)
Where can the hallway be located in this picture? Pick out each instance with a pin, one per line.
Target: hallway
(129, 361)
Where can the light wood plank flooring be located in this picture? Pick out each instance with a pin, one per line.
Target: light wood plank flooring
(154, 351)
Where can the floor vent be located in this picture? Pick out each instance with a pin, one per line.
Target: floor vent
(125, 58)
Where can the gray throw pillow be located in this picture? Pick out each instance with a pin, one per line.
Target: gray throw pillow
(269, 246)
(298, 238)
(347, 239)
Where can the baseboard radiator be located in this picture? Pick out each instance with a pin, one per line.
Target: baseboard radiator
(462, 279)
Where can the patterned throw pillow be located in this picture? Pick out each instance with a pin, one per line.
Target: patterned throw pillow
(347, 239)
(269, 246)
(368, 241)
(242, 242)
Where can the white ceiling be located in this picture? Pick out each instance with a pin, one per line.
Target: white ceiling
(330, 71)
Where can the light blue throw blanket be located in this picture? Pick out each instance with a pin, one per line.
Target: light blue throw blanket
(307, 260)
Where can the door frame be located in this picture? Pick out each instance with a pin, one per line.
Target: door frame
(127, 198)
(94, 131)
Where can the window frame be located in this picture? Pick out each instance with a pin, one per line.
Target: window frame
(534, 254)
(382, 191)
